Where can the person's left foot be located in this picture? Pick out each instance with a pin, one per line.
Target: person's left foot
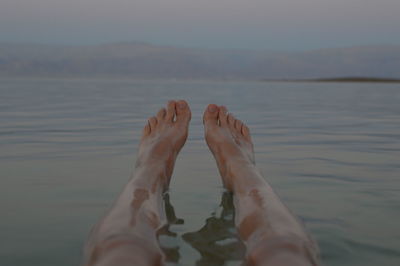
(164, 136)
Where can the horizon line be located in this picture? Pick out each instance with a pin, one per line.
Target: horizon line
(135, 42)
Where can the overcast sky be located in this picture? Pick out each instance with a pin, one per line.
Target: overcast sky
(248, 24)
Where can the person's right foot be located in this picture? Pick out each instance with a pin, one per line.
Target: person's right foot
(164, 136)
(228, 139)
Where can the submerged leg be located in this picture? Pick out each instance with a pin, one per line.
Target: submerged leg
(127, 235)
(217, 241)
(273, 236)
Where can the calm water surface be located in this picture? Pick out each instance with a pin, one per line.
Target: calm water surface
(331, 151)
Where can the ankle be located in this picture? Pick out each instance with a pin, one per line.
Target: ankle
(151, 172)
(243, 177)
(238, 166)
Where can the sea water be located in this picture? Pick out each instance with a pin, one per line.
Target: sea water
(330, 150)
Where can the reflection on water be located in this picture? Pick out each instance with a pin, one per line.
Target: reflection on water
(171, 253)
(217, 241)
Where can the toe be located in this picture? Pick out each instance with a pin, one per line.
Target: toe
(238, 126)
(183, 113)
(170, 116)
(223, 116)
(161, 114)
(210, 117)
(246, 132)
(146, 130)
(152, 123)
(231, 121)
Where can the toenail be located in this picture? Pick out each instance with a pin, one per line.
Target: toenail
(212, 108)
(181, 105)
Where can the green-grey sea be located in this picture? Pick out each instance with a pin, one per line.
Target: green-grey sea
(330, 150)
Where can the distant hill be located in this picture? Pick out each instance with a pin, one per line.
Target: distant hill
(146, 61)
(358, 79)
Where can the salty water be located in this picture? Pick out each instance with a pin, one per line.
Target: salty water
(331, 151)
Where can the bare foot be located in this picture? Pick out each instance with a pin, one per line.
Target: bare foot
(127, 235)
(228, 139)
(164, 136)
(273, 236)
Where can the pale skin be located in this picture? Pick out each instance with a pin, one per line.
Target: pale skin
(127, 235)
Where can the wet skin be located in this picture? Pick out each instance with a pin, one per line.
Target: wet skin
(127, 235)
(273, 236)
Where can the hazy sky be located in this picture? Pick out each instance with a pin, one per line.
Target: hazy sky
(250, 24)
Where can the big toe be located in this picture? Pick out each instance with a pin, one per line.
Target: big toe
(210, 117)
(183, 113)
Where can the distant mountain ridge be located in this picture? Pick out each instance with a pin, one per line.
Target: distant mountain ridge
(147, 61)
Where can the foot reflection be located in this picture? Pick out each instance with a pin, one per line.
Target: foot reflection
(171, 253)
(217, 241)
